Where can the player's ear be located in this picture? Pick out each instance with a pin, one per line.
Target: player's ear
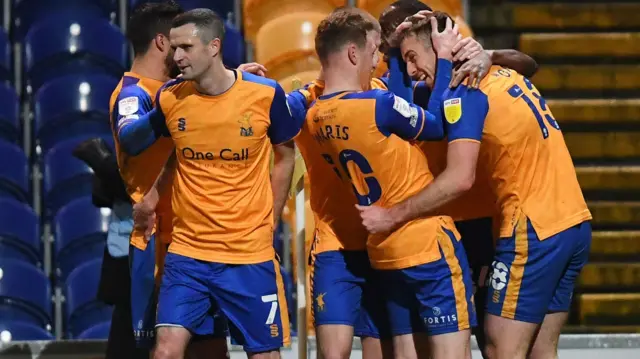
(161, 42)
(214, 47)
(352, 52)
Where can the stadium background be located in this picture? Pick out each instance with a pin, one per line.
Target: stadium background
(60, 60)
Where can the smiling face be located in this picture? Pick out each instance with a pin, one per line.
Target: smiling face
(420, 57)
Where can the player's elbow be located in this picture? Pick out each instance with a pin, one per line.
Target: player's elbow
(465, 182)
(128, 143)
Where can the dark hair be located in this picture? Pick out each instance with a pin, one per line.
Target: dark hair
(148, 20)
(395, 14)
(342, 26)
(210, 26)
(422, 27)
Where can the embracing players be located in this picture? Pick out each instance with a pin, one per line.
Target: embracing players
(544, 229)
(423, 263)
(338, 252)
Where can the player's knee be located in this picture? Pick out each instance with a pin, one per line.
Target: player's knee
(170, 344)
(273, 354)
(548, 350)
(490, 350)
(336, 352)
(166, 352)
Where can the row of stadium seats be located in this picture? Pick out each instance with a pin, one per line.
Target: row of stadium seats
(26, 301)
(64, 177)
(79, 242)
(26, 13)
(68, 45)
(79, 234)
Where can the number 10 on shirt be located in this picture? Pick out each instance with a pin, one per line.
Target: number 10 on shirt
(355, 158)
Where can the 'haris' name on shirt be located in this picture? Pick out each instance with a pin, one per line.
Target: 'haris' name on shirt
(330, 131)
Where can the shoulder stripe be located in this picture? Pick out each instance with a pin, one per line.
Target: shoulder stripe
(166, 86)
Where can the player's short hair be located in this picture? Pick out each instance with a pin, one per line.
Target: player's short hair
(149, 19)
(210, 26)
(395, 14)
(344, 25)
(422, 27)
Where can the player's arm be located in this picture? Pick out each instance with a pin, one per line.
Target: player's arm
(410, 122)
(465, 123)
(475, 62)
(282, 130)
(399, 82)
(298, 104)
(144, 211)
(469, 48)
(138, 131)
(514, 59)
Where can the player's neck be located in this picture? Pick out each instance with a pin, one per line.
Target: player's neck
(339, 81)
(149, 67)
(215, 81)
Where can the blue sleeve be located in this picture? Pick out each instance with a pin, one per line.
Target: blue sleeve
(283, 127)
(465, 111)
(139, 125)
(396, 116)
(441, 84)
(399, 80)
(297, 103)
(421, 94)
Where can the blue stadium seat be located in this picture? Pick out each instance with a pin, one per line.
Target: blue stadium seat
(5, 57)
(25, 293)
(14, 172)
(73, 45)
(27, 13)
(82, 308)
(233, 47)
(96, 332)
(80, 235)
(65, 177)
(73, 106)
(9, 110)
(24, 331)
(19, 232)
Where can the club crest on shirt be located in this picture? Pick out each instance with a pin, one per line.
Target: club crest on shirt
(245, 125)
(453, 110)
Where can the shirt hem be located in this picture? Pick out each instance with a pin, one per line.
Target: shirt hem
(261, 257)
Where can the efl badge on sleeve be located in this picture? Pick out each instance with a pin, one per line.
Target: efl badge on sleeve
(453, 110)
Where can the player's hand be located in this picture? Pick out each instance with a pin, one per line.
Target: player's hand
(444, 42)
(466, 49)
(475, 69)
(253, 68)
(376, 219)
(407, 23)
(144, 218)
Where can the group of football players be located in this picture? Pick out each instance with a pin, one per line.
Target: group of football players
(443, 194)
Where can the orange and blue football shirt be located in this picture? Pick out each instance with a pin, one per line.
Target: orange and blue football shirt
(132, 98)
(337, 226)
(522, 149)
(372, 152)
(222, 194)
